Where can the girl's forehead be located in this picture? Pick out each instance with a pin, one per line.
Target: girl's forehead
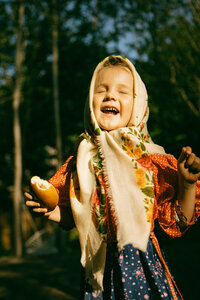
(106, 72)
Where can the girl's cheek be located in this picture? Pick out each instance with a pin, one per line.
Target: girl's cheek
(94, 104)
(95, 100)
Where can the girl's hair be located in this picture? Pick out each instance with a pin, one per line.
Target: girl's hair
(116, 61)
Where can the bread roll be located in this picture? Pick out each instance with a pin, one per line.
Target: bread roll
(45, 192)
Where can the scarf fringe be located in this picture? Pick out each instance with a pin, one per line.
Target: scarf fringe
(106, 182)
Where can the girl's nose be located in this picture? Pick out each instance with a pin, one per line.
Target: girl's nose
(109, 96)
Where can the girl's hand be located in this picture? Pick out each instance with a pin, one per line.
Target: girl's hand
(188, 166)
(33, 203)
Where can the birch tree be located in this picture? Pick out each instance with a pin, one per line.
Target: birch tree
(17, 197)
(55, 76)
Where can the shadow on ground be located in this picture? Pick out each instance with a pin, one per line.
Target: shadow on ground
(57, 277)
(46, 277)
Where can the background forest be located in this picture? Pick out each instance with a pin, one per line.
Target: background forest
(48, 52)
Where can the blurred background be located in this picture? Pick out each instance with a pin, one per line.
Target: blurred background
(48, 51)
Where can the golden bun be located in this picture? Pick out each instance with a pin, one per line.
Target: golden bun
(45, 192)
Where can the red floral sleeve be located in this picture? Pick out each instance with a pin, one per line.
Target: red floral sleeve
(61, 181)
(166, 185)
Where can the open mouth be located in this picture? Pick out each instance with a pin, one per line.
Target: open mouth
(110, 110)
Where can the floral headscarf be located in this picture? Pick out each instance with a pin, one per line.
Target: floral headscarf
(129, 186)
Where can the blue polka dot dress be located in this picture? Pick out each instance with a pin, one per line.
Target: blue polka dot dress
(132, 274)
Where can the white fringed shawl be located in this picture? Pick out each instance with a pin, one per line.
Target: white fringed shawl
(130, 187)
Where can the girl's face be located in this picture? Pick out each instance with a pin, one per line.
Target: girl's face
(113, 97)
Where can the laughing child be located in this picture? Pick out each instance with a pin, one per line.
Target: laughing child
(117, 184)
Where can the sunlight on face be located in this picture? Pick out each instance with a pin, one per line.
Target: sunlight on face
(113, 97)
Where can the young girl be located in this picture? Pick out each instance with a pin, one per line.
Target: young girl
(117, 184)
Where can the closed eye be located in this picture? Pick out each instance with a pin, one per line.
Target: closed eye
(123, 92)
(100, 91)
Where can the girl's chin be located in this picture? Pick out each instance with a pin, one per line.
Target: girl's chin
(109, 127)
(111, 123)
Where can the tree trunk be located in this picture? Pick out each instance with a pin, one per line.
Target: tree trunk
(17, 197)
(55, 74)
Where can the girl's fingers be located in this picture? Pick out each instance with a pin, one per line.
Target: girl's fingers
(195, 166)
(188, 150)
(28, 196)
(193, 163)
(32, 203)
(48, 213)
(184, 154)
(36, 207)
(190, 160)
(40, 210)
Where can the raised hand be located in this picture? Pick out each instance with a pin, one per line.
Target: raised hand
(189, 165)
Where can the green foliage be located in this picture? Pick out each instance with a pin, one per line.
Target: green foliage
(167, 38)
